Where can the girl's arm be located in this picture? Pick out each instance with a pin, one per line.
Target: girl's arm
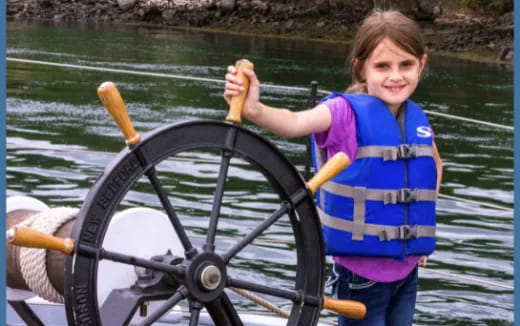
(438, 165)
(282, 122)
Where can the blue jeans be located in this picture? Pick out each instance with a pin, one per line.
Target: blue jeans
(388, 304)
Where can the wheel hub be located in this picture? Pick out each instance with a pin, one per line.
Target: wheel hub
(210, 277)
(205, 277)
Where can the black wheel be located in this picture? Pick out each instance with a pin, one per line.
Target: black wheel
(202, 275)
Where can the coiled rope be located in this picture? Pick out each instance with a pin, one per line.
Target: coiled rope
(33, 263)
(210, 80)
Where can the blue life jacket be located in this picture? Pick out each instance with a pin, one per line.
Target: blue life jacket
(383, 204)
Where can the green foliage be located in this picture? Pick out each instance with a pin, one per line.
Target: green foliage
(495, 7)
(478, 3)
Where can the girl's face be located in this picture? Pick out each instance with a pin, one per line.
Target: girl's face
(392, 74)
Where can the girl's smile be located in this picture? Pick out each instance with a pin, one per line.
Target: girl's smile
(392, 74)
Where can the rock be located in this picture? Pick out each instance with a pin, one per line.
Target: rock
(437, 11)
(259, 5)
(208, 4)
(408, 7)
(323, 6)
(277, 8)
(427, 6)
(307, 12)
(506, 19)
(126, 4)
(127, 16)
(510, 55)
(199, 19)
(505, 54)
(228, 5)
(425, 9)
(168, 14)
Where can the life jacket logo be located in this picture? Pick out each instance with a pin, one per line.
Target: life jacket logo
(424, 132)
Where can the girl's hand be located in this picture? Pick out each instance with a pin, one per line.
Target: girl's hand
(234, 87)
(423, 260)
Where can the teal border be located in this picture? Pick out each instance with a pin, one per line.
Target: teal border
(3, 77)
(516, 110)
(3, 34)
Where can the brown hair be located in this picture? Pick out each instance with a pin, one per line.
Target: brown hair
(401, 30)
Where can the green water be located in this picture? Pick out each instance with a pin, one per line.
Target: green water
(59, 139)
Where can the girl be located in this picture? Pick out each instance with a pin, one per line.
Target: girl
(378, 215)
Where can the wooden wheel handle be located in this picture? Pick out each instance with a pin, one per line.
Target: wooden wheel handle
(237, 102)
(114, 104)
(348, 308)
(330, 169)
(27, 237)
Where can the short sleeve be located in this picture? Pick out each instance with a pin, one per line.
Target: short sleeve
(341, 136)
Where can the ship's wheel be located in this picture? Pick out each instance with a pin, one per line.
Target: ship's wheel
(203, 275)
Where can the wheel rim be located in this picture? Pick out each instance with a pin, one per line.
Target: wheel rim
(202, 265)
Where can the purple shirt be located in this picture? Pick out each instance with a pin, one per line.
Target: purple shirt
(341, 137)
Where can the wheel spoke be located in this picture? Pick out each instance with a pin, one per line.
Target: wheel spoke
(296, 296)
(174, 219)
(284, 208)
(223, 312)
(195, 308)
(181, 293)
(217, 201)
(26, 313)
(101, 253)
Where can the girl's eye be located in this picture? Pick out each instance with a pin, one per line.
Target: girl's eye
(381, 65)
(407, 64)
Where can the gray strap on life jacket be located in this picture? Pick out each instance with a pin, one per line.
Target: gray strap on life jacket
(384, 232)
(392, 153)
(358, 227)
(321, 157)
(388, 196)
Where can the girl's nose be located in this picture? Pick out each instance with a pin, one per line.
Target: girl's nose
(395, 76)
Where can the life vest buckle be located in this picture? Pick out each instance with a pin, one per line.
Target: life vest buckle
(405, 151)
(407, 232)
(406, 195)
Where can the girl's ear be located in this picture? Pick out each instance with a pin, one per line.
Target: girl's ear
(359, 71)
(424, 59)
(354, 65)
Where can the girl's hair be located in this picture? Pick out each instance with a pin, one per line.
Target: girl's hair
(401, 30)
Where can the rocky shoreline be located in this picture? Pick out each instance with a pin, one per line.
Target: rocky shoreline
(481, 38)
